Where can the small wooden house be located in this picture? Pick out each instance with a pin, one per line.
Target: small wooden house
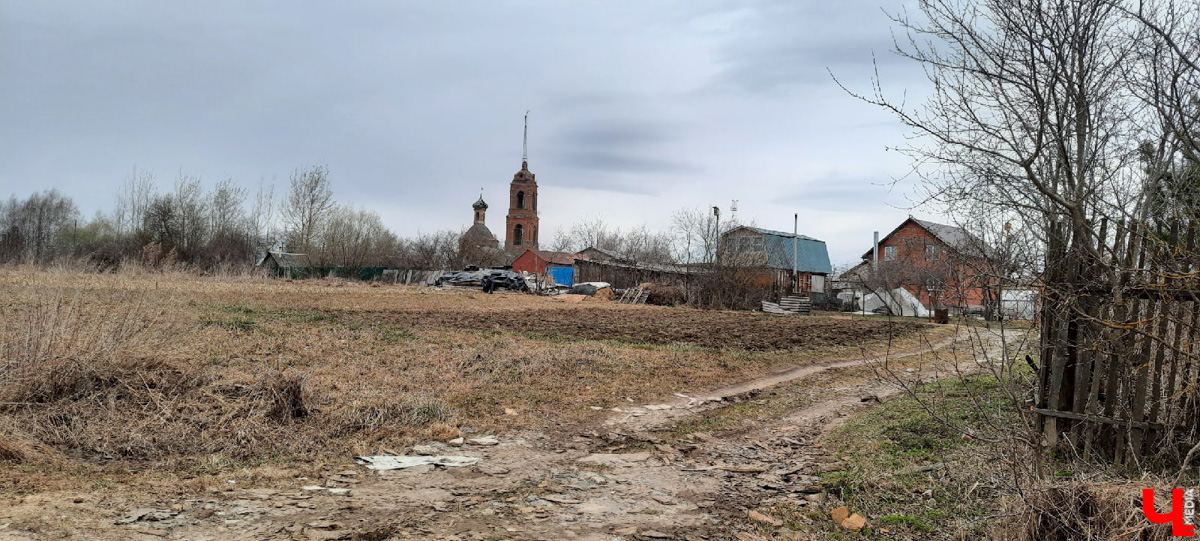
(791, 264)
(283, 264)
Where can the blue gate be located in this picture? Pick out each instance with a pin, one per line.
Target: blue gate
(563, 276)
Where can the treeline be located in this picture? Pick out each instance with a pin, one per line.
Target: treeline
(228, 227)
(224, 227)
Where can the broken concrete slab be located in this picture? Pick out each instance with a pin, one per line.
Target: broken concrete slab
(484, 441)
(402, 462)
(615, 459)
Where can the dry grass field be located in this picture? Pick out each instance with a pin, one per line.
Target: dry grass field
(165, 377)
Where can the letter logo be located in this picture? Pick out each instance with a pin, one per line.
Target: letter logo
(1178, 527)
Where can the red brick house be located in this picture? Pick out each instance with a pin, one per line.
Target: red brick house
(943, 266)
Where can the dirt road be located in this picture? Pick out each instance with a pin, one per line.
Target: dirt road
(635, 476)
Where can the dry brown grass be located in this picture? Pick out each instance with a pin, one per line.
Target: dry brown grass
(1087, 511)
(204, 374)
(11, 450)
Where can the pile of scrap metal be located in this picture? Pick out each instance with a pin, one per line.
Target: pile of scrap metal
(488, 279)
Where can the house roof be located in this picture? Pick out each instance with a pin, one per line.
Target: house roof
(776, 233)
(955, 237)
(600, 251)
(671, 269)
(285, 259)
(811, 254)
(593, 253)
(557, 258)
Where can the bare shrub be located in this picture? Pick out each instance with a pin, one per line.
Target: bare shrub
(664, 295)
(731, 287)
(11, 450)
(1089, 511)
(284, 396)
(59, 348)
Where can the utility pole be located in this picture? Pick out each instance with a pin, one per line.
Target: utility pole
(717, 233)
(796, 252)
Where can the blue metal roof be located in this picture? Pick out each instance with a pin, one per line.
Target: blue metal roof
(813, 256)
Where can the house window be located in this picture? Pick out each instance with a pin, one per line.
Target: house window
(518, 233)
(932, 252)
(889, 253)
(520, 200)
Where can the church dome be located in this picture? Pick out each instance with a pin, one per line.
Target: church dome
(479, 236)
(479, 204)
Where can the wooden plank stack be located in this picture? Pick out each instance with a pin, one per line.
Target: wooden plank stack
(634, 295)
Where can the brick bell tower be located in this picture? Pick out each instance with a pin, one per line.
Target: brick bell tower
(521, 226)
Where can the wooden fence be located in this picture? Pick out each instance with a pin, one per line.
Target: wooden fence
(1120, 319)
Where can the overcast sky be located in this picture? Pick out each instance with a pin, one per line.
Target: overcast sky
(637, 109)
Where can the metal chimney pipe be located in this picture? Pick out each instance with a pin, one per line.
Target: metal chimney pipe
(875, 252)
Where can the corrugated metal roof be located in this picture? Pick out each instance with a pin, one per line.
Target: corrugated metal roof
(776, 233)
(813, 255)
(671, 269)
(559, 258)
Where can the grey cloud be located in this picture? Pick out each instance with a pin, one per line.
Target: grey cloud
(615, 135)
(782, 44)
(416, 106)
(628, 150)
(616, 162)
(844, 191)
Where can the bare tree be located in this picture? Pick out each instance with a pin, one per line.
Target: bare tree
(698, 235)
(307, 205)
(354, 238)
(192, 214)
(1027, 123)
(133, 199)
(32, 229)
(430, 251)
(262, 215)
(1049, 126)
(225, 212)
(639, 244)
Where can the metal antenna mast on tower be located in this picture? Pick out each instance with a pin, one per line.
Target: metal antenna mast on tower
(525, 141)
